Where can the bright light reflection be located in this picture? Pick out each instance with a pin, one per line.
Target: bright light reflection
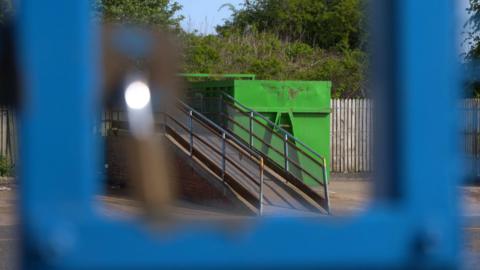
(137, 95)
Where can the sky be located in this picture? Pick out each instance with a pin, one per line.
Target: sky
(204, 15)
(461, 10)
(463, 18)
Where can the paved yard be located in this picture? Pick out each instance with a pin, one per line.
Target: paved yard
(7, 228)
(349, 195)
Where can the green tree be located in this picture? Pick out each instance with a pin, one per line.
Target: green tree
(269, 57)
(472, 85)
(275, 39)
(323, 23)
(473, 32)
(5, 167)
(5, 11)
(160, 13)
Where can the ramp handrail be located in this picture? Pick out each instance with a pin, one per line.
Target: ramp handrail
(226, 138)
(288, 142)
(115, 120)
(282, 130)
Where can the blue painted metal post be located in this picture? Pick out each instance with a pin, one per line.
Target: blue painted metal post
(415, 219)
(58, 148)
(415, 76)
(427, 69)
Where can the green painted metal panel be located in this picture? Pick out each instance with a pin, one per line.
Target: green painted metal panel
(313, 129)
(300, 107)
(284, 96)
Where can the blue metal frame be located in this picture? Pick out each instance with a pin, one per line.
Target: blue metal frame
(61, 226)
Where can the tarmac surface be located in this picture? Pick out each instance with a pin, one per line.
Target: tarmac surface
(349, 196)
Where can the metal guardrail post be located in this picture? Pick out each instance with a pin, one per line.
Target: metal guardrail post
(200, 117)
(269, 122)
(220, 112)
(224, 137)
(165, 118)
(190, 126)
(8, 146)
(250, 128)
(285, 150)
(2, 131)
(325, 185)
(261, 187)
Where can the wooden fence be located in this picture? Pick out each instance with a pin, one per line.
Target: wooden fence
(351, 135)
(470, 126)
(8, 139)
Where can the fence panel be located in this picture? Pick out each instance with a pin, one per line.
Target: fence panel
(351, 135)
(8, 138)
(470, 128)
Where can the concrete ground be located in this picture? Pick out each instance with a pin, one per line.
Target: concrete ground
(349, 195)
(8, 222)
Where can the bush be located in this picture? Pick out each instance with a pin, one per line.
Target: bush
(5, 166)
(270, 58)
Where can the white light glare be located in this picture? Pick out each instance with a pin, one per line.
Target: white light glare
(137, 95)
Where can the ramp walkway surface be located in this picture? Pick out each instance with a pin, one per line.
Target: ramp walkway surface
(268, 190)
(255, 181)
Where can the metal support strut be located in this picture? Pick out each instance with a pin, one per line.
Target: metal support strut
(251, 130)
(325, 185)
(190, 126)
(224, 137)
(285, 151)
(261, 187)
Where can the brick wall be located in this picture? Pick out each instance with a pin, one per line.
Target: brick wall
(116, 160)
(194, 184)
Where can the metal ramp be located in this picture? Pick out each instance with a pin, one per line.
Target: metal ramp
(282, 152)
(257, 182)
(241, 168)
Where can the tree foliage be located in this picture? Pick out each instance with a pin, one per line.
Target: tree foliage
(6, 9)
(473, 34)
(269, 57)
(5, 166)
(320, 23)
(472, 85)
(159, 13)
(274, 39)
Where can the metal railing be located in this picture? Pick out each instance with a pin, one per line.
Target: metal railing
(223, 154)
(224, 149)
(277, 144)
(220, 135)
